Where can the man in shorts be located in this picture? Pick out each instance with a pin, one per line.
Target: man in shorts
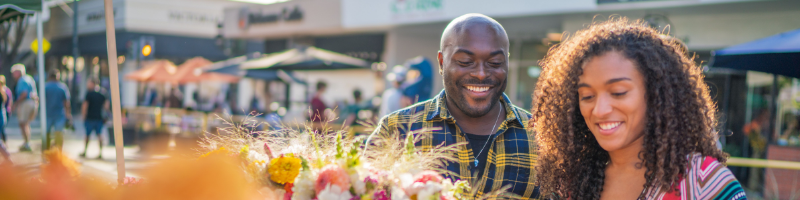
(58, 109)
(26, 104)
(92, 109)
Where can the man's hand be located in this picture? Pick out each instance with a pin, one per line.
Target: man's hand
(69, 116)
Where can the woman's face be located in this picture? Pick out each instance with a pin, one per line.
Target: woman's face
(611, 92)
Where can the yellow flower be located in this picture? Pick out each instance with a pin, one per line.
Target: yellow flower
(221, 151)
(284, 169)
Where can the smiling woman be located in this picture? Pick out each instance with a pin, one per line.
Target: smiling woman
(622, 112)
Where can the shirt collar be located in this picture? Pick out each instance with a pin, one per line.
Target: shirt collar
(439, 109)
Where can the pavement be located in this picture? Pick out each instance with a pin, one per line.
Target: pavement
(105, 167)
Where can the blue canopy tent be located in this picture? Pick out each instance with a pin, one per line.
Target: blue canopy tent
(777, 54)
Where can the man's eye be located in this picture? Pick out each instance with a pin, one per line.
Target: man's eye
(464, 62)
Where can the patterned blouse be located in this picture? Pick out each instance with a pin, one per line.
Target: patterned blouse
(707, 179)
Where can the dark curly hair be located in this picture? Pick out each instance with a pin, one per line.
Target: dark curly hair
(680, 114)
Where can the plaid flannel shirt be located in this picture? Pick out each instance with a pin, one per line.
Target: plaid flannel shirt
(511, 157)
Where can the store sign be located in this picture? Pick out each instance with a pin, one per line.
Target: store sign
(377, 13)
(98, 16)
(416, 6)
(248, 17)
(189, 16)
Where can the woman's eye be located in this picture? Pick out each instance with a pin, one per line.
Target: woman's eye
(619, 93)
(584, 98)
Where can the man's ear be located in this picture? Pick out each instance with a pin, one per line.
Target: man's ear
(441, 61)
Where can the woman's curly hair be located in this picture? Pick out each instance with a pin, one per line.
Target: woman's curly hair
(680, 114)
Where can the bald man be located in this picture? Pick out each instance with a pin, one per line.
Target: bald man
(472, 108)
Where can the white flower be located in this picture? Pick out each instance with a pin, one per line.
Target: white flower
(333, 192)
(430, 190)
(399, 194)
(447, 188)
(406, 180)
(255, 155)
(304, 185)
(357, 182)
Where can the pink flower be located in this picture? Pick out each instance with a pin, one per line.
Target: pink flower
(428, 175)
(380, 195)
(333, 175)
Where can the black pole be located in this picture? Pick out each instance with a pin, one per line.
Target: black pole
(772, 108)
(75, 53)
(726, 109)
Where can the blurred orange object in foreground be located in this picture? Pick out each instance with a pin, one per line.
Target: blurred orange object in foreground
(213, 177)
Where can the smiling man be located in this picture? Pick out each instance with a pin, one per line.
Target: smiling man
(472, 110)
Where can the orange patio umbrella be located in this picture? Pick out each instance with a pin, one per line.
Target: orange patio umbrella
(192, 71)
(154, 71)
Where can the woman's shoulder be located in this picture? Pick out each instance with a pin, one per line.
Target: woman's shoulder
(707, 178)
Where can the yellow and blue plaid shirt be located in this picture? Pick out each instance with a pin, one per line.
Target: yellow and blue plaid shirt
(511, 157)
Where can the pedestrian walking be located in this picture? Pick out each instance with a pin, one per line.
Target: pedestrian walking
(26, 103)
(6, 97)
(92, 110)
(58, 109)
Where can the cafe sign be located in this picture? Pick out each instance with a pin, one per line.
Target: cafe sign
(249, 17)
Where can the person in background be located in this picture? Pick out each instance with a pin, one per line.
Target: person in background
(92, 109)
(419, 81)
(318, 116)
(174, 99)
(26, 103)
(392, 97)
(5, 105)
(352, 112)
(5, 96)
(58, 109)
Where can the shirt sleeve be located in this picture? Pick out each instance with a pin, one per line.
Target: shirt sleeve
(712, 180)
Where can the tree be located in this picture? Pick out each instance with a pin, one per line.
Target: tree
(12, 32)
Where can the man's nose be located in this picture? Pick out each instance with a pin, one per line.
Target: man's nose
(480, 71)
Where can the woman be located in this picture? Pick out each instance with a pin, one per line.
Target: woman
(622, 112)
(5, 104)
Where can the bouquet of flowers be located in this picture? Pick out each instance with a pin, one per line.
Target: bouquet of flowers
(290, 164)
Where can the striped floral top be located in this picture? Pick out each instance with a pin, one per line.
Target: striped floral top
(707, 179)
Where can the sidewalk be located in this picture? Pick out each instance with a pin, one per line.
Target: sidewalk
(105, 168)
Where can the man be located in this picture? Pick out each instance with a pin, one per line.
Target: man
(92, 110)
(58, 109)
(318, 116)
(392, 96)
(26, 103)
(473, 63)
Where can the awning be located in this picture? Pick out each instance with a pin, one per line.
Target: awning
(778, 54)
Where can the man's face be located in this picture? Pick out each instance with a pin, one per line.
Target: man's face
(16, 74)
(474, 68)
(90, 84)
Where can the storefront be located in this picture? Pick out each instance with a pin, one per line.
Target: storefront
(173, 30)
